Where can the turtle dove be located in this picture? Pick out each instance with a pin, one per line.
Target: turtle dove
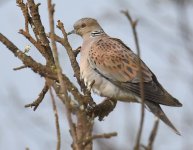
(114, 69)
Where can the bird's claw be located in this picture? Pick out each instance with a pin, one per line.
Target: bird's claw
(101, 110)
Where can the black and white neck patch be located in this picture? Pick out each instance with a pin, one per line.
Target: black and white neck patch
(96, 33)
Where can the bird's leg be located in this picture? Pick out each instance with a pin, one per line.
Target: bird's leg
(104, 108)
(89, 86)
(101, 110)
(91, 104)
(76, 51)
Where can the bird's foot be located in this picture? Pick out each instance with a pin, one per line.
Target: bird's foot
(103, 109)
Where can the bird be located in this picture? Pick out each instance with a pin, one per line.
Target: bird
(110, 69)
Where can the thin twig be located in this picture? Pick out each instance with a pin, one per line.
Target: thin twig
(64, 41)
(133, 24)
(59, 72)
(56, 120)
(153, 134)
(36, 103)
(40, 31)
(27, 17)
(19, 68)
(39, 68)
(25, 13)
(88, 99)
(69, 50)
(37, 44)
(84, 124)
(99, 136)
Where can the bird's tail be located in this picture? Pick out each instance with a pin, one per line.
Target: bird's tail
(157, 111)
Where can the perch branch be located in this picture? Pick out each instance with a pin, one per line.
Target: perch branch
(84, 124)
(103, 109)
(72, 55)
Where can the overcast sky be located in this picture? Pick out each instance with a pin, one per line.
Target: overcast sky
(162, 50)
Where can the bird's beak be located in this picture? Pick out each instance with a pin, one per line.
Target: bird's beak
(71, 32)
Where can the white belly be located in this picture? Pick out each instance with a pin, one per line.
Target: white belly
(102, 86)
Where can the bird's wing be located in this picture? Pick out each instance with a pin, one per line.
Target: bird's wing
(115, 61)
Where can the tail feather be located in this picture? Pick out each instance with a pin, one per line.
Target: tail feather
(157, 111)
(178, 104)
(171, 101)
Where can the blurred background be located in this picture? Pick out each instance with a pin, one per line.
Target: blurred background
(165, 32)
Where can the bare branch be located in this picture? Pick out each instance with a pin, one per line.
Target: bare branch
(53, 75)
(69, 50)
(27, 17)
(74, 63)
(72, 55)
(37, 44)
(27, 60)
(19, 68)
(153, 135)
(36, 103)
(133, 24)
(59, 73)
(64, 41)
(56, 120)
(39, 68)
(40, 31)
(99, 136)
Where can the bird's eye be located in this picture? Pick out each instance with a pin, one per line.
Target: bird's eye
(83, 25)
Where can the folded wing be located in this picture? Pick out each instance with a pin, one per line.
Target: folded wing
(116, 62)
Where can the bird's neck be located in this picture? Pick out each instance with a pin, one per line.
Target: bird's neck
(93, 34)
(97, 33)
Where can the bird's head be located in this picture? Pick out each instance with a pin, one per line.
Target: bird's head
(86, 26)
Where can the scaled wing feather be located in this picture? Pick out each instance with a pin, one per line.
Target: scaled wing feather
(115, 61)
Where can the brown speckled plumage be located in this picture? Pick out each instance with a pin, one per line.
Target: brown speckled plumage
(113, 67)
